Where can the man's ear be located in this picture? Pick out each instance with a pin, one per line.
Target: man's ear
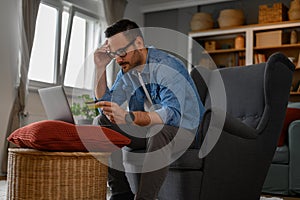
(139, 42)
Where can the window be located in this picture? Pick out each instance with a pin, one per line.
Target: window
(42, 66)
(80, 51)
(65, 38)
(76, 53)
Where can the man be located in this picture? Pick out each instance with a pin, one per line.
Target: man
(152, 89)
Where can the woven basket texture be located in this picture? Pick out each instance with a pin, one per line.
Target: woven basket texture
(39, 175)
(276, 12)
(231, 17)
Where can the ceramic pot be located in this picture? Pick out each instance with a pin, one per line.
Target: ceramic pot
(239, 42)
(201, 21)
(294, 11)
(231, 17)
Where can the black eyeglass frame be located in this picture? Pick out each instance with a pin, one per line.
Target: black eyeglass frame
(120, 52)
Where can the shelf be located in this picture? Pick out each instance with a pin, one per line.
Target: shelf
(279, 47)
(294, 93)
(225, 51)
(243, 28)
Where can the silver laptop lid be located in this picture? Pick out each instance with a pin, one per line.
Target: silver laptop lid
(56, 104)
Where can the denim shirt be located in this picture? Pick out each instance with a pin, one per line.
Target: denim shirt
(172, 91)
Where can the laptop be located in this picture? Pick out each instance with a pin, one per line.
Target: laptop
(56, 104)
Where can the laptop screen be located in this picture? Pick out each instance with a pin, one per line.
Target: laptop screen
(56, 104)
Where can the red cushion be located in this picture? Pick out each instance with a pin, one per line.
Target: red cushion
(291, 115)
(52, 135)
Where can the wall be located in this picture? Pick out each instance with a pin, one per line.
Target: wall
(8, 63)
(132, 12)
(90, 5)
(179, 19)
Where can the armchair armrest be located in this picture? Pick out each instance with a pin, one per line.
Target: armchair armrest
(236, 127)
(214, 122)
(294, 151)
(231, 125)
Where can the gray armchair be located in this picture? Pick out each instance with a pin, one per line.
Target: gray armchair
(256, 100)
(283, 177)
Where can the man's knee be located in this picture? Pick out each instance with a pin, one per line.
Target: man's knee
(101, 120)
(96, 120)
(160, 136)
(162, 132)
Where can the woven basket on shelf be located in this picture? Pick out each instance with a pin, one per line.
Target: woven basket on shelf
(201, 21)
(231, 17)
(36, 174)
(276, 12)
(294, 11)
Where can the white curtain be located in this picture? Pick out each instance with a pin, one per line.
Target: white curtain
(111, 11)
(27, 19)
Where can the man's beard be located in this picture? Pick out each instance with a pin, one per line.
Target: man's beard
(136, 61)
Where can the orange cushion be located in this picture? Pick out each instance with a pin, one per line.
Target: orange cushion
(291, 115)
(52, 135)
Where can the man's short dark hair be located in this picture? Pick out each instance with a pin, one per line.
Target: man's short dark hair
(129, 28)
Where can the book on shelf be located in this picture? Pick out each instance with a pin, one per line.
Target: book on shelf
(241, 58)
(259, 58)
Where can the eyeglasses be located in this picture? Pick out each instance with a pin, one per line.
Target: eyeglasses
(120, 52)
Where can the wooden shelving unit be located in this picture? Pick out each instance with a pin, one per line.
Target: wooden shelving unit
(224, 57)
(279, 47)
(294, 93)
(224, 51)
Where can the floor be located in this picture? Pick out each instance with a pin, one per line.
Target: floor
(3, 187)
(280, 197)
(2, 190)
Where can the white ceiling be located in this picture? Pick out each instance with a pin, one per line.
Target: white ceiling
(159, 5)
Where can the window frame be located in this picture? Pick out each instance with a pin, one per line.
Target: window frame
(60, 69)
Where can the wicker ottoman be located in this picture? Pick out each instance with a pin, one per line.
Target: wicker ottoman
(36, 174)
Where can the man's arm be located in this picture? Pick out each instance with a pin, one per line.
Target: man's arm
(101, 60)
(117, 115)
(146, 118)
(100, 82)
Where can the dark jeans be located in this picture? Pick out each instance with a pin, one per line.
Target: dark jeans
(150, 181)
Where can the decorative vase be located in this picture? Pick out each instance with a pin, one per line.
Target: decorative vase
(294, 11)
(239, 42)
(294, 37)
(201, 21)
(231, 17)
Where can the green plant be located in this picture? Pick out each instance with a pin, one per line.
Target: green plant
(82, 109)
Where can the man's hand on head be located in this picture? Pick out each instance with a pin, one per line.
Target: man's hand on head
(101, 58)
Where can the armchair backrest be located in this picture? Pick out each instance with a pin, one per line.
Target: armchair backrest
(244, 89)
